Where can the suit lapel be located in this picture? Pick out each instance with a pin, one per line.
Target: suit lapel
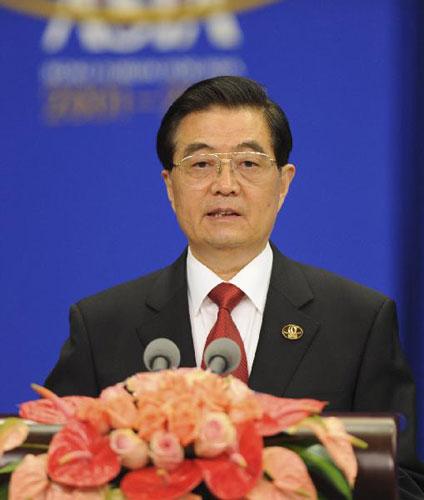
(167, 300)
(277, 358)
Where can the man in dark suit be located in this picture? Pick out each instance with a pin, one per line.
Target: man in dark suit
(305, 332)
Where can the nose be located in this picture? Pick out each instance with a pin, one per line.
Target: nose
(226, 181)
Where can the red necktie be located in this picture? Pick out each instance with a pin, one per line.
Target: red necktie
(226, 296)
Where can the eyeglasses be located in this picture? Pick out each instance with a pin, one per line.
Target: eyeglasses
(250, 165)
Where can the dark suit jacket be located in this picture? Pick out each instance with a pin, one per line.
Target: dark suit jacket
(349, 354)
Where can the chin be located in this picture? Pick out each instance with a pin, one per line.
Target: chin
(225, 243)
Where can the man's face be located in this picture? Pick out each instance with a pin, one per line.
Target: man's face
(227, 212)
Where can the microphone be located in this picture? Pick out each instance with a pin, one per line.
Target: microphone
(222, 356)
(161, 354)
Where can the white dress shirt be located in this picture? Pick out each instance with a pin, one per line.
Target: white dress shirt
(253, 280)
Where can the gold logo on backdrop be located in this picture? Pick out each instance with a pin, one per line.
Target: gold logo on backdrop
(74, 11)
(292, 332)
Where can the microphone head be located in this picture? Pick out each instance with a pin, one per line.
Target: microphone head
(162, 348)
(223, 348)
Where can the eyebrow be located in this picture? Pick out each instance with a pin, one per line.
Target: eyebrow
(197, 146)
(252, 145)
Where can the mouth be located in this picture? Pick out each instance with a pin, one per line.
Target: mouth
(223, 213)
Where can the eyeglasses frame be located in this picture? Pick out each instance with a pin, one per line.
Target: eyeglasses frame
(218, 155)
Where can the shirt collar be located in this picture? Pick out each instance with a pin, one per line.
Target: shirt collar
(253, 279)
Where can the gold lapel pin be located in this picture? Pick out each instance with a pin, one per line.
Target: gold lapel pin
(292, 332)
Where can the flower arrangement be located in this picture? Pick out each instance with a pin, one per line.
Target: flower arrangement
(160, 435)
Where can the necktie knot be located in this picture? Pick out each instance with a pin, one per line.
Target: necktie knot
(226, 296)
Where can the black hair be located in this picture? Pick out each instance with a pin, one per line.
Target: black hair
(228, 92)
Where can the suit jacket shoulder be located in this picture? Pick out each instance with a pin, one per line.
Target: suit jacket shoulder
(337, 317)
(110, 330)
(133, 299)
(302, 281)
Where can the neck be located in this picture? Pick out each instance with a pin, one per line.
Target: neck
(225, 262)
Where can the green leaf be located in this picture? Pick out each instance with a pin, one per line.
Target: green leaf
(317, 459)
(10, 467)
(358, 443)
(114, 494)
(10, 422)
(35, 446)
(4, 491)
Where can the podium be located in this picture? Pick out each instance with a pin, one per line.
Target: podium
(377, 477)
(377, 474)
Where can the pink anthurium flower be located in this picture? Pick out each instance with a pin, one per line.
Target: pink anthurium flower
(233, 475)
(29, 479)
(288, 472)
(338, 443)
(80, 456)
(281, 413)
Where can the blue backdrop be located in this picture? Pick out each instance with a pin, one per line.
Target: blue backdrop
(82, 202)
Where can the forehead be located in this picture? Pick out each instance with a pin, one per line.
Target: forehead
(223, 129)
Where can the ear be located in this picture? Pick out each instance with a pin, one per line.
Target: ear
(287, 174)
(167, 178)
